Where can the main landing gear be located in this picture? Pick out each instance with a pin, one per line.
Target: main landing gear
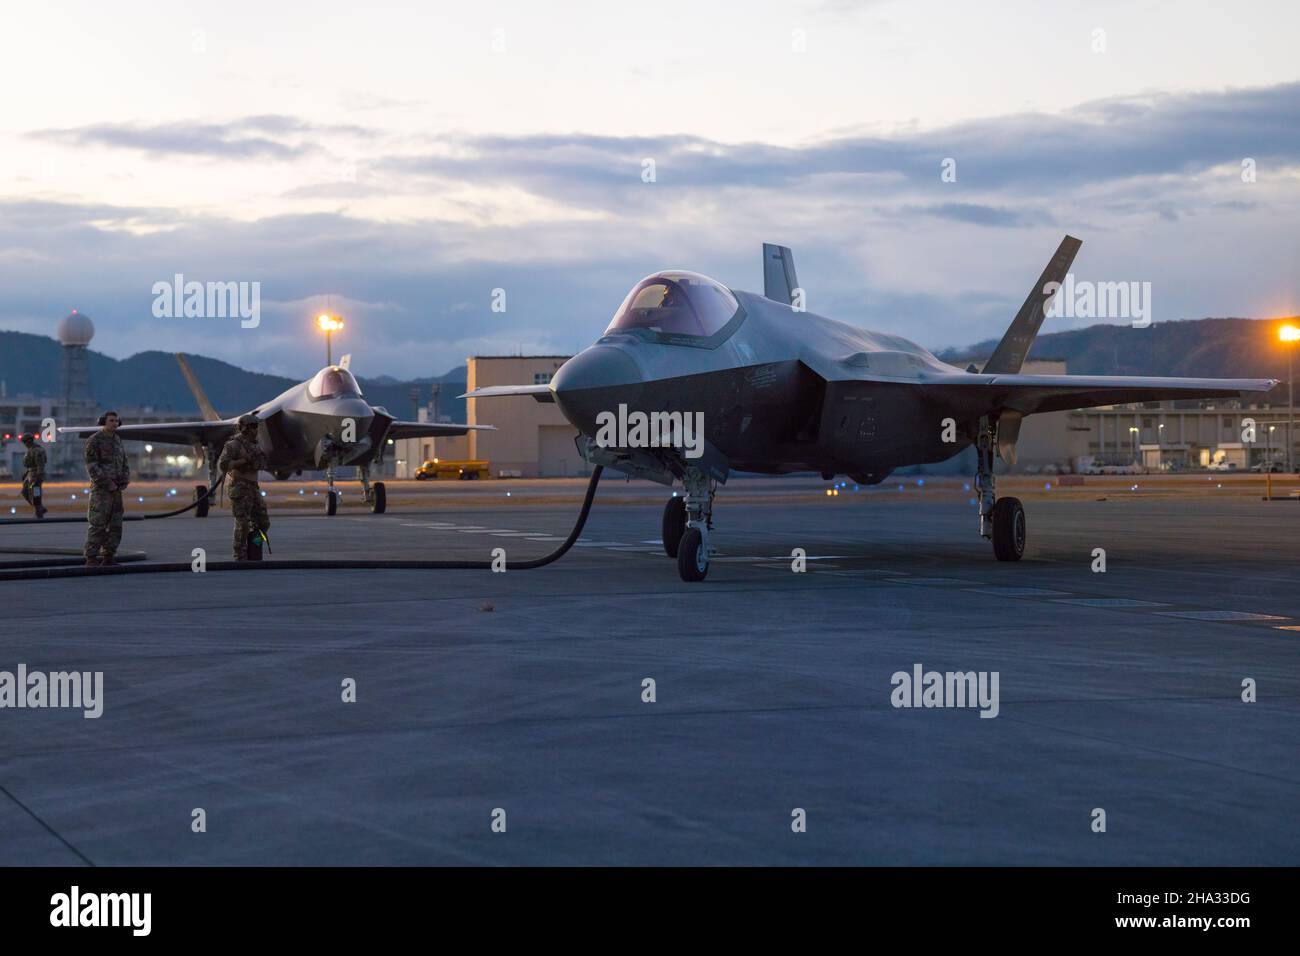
(374, 495)
(687, 521)
(674, 524)
(1002, 520)
(201, 494)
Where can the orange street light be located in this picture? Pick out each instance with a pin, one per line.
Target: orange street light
(1290, 334)
(329, 324)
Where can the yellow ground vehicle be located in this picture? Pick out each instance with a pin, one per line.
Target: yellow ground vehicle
(436, 468)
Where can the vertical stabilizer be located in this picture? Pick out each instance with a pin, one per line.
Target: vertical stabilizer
(779, 280)
(205, 406)
(1010, 354)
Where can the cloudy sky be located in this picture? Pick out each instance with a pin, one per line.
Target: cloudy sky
(405, 160)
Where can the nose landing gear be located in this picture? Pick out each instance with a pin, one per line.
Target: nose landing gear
(331, 496)
(694, 549)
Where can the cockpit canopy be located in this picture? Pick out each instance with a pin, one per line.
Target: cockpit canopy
(333, 381)
(676, 303)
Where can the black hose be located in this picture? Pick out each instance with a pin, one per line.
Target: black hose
(30, 574)
(5, 522)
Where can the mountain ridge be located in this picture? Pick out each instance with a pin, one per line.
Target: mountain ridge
(29, 364)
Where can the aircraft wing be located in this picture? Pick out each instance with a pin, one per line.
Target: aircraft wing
(433, 429)
(540, 393)
(1031, 394)
(167, 433)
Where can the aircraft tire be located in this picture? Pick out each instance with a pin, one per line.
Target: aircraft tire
(1008, 529)
(378, 498)
(201, 496)
(692, 559)
(673, 525)
(331, 502)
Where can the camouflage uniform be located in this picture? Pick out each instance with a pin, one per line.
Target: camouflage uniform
(106, 465)
(33, 470)
(241, 485)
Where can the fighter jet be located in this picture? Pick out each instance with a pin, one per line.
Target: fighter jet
(318, 424)
(783, 390)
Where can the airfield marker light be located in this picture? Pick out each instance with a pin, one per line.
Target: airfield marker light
(828, 493)
(13, 511)
(1047, 485)
(920, 482)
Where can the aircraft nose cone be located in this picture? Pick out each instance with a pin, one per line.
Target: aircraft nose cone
(596, 379)
(600, 366)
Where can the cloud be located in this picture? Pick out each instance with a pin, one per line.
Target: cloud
(253, 137)
(980, 215)
(1098, 142)
(1151, 183)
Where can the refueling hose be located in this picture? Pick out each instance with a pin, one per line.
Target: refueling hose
(74, 519)
(35, 573)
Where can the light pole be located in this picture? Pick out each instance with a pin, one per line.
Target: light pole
(1290, 334)
(329, 324)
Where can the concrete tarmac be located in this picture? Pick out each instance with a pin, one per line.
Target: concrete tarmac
(523, 692)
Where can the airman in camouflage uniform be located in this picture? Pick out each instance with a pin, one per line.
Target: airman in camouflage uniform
(241, 460)
(33, 474)
(109, 475)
